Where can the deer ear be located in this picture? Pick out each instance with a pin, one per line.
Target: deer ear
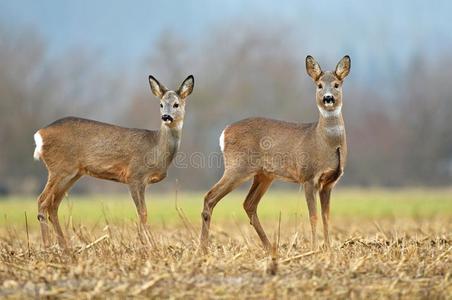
(313, 68)
(343, 67)
(157, 88)
(186, 87)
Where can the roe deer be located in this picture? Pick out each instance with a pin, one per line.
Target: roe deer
(312, 154)
(72, 147)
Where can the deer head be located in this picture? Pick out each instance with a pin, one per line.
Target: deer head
(172, 103)
(329, 84)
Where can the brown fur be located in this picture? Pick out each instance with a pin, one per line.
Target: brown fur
(77, 146)
(311, 154)
(74, 147)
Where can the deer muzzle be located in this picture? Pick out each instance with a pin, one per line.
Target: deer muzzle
(329, 100)
(167, 118)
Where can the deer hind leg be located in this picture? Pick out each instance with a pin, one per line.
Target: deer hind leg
(325, 194)
(64, 185)
(45, 201)
(224, 186)
(260, 185)
(310, 192)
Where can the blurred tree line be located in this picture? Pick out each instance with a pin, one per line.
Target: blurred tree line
(398, 132)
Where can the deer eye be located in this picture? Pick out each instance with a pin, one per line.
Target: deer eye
(176, 105)
(320, 86)
(161, 105)
(336, 85)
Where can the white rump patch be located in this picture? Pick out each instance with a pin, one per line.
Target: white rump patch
(39, 143)
(330, 113)
(222, 140)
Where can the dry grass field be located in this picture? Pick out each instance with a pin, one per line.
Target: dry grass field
(393, 244)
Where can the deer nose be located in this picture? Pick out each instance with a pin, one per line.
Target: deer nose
(167, 118)
(327, 99)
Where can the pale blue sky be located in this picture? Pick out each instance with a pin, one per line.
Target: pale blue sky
(387, 32)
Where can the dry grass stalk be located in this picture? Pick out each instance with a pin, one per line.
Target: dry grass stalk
(364, 265)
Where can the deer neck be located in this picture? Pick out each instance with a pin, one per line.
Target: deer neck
(331, 126)
(169, 140)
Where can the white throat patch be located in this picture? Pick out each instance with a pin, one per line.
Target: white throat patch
(335, 130)
(330, 113)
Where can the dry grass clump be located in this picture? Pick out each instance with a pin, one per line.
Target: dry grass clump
(403, 259)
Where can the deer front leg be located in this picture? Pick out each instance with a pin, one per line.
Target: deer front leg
(310, 192)
(325, 194)
(137, 192)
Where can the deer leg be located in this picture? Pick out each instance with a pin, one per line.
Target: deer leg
(325, 194)
(310, 192)
(53, 217)
(260, 186)
(44, 201)
(65, 185)
(137, 192)
(223, 187)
